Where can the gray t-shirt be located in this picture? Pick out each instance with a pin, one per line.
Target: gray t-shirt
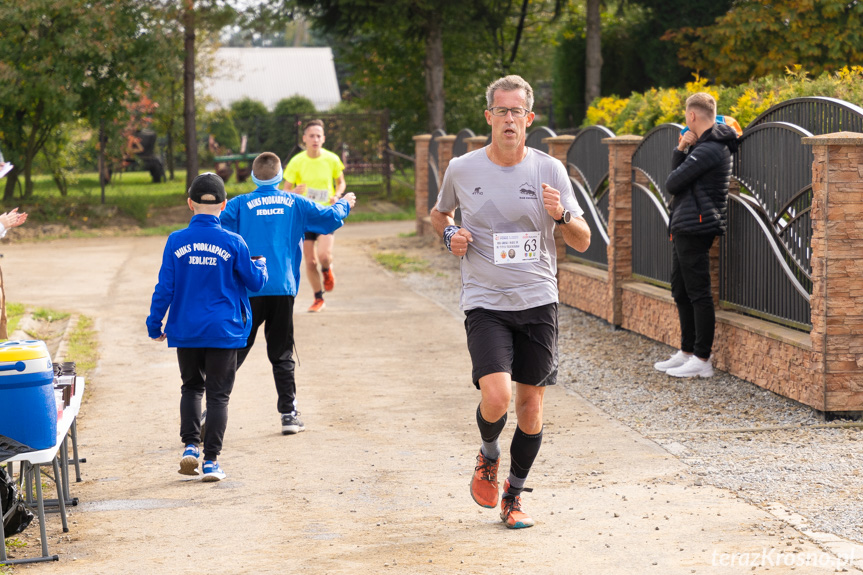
(495, 200)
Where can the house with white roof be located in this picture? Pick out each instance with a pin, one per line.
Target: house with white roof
(272, 74)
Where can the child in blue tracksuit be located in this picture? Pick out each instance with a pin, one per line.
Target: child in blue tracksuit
(206, 272)
(273, 222)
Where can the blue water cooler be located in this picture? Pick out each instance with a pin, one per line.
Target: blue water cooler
(28, 410)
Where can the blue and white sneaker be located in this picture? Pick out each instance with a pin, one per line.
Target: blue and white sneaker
(212, 471)
(189, 461)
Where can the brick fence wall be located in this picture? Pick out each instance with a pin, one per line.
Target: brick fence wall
(823, 369)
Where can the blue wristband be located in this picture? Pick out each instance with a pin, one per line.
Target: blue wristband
(448, 233)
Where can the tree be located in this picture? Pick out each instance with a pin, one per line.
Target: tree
(59, 60)
(173, 64)
(168, 92)
(418, 20)
(593, 53)
(618, 29)
(662, 20)
(760, 37)
(189, 127)
(631, 39)
(119, 59)
(188, 25)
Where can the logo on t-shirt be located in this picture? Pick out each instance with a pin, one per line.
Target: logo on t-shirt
(527, 192)
(477, 191)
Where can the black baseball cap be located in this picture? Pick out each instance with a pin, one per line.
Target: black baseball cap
(208, 183)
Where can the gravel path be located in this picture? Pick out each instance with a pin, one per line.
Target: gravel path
(805, 466)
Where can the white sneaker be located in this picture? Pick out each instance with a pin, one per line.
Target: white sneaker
(694, 367)
(675, 360)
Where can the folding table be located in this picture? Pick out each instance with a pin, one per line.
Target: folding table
(30, 472)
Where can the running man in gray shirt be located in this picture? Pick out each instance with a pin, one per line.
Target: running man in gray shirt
(511, 198)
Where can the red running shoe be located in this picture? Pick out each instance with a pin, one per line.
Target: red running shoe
(511, 513)
(483, 485)
(329, 280)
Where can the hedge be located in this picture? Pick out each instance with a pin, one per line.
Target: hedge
(639, 113)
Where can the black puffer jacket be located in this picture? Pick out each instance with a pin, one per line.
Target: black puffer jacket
(699, 182)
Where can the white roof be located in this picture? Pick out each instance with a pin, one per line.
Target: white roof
(272, 74)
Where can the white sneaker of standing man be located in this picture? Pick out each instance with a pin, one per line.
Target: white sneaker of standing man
(694, 367)
(675, 360)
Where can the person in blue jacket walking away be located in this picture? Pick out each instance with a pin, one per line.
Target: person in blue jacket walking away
(206, 274)
(273, 222)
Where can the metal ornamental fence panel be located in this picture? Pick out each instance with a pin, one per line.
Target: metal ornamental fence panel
(651, 165)
(587, 164)
(765, 267)
(756, 275)
(597, 253)
(459, 147)
(816, 115)
(765, 260)
(535, 138)
(651, 248)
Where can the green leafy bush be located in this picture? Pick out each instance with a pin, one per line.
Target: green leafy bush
(223, 129)
(640, 112)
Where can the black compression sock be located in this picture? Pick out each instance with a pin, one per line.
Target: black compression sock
(489, 433)
(523, 452)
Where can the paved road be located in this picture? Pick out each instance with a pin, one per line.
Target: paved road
(378, 482)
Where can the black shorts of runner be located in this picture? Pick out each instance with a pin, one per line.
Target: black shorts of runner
(311, 236)
(521, 343)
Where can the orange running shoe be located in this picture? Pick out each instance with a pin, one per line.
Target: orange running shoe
(483, 486)
(329, 280)
(318, 305)
(511, 513)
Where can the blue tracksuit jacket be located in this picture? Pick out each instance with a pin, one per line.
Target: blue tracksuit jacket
(273, 222)
(206, 272)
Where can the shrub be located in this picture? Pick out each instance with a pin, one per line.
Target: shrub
(283, 132)
(223, 129)
(640, 112)
(252, 118)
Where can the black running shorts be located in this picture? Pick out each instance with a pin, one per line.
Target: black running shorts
(521, 343)
(311, 236)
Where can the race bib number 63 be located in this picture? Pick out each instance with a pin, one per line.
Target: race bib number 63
(516, 248)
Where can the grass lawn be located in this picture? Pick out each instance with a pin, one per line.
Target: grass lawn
(132, 196)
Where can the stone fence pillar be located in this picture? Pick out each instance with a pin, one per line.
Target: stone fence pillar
(558, 147)
(444, 155)
(620, 151)
(837, 270)
(421, 179)
(476, 142)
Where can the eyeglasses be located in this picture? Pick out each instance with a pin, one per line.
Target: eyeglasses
(502, 110)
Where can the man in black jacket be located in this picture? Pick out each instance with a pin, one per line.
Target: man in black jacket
(701, 172)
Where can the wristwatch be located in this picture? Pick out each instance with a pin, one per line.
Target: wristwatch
(565, 218)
